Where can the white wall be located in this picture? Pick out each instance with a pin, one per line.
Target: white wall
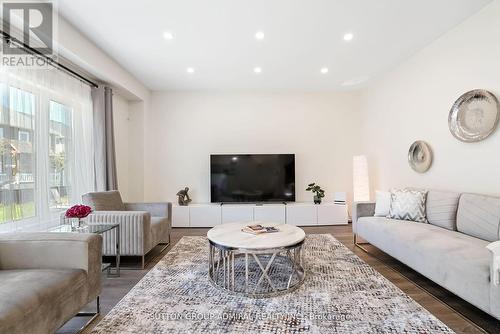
(182, 129)
(413, 101)
(131, 102)
(136, 142)
(121, 118)
(129, 137)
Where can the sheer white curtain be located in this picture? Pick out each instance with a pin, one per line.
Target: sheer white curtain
(46, 147)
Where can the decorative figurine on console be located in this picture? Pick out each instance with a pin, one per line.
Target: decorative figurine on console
(183, 197)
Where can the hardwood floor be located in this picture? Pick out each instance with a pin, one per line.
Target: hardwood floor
(453, 311)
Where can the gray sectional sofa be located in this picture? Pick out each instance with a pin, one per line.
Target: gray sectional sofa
(458, 248)
(46, 279)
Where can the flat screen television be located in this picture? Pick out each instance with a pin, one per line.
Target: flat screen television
(252, 178)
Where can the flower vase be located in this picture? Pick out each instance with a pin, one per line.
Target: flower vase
(76, 215)
(76, 224)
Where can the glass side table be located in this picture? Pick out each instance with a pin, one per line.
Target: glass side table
(98, 229)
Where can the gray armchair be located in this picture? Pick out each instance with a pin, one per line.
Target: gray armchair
(142, 225)
(46, 279)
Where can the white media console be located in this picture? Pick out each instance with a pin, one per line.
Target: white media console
(301, 214)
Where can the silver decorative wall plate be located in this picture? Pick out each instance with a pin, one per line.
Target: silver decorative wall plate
(420, 156)
(474, 116)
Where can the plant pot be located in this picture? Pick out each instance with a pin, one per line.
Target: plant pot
(317, 200)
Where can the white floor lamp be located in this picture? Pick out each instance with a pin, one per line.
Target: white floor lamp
(361, 182)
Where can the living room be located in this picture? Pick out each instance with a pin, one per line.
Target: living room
(270, 167)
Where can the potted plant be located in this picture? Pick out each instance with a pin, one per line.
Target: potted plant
(78, 212)
(317, 191)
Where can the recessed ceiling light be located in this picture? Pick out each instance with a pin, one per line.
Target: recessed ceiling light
(348, 37)
(257, 70)
(259, 35)
(168, 35)
(190, 70)
(324, 70)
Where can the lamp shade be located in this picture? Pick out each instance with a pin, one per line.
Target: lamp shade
(361, 182)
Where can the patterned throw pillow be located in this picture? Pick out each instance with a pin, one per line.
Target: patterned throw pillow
(408, 204)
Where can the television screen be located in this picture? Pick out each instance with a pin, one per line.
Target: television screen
(252, 178)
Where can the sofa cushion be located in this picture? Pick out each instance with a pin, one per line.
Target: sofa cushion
(104, 201)
(382, 203)
(456, 261)
(479, 216)
(441, 209)
(408, 204)
(40, 300)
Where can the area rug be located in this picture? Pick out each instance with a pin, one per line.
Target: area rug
(341, 294)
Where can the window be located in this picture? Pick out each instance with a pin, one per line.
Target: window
(24, 136)
(46, 153)
(61, 134)
(17, 172)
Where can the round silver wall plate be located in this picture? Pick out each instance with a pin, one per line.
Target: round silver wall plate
(474, 116)
(420, 156)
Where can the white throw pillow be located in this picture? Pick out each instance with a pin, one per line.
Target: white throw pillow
(383, 203)
(408, 204)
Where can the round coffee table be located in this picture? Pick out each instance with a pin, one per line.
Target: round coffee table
(262, 265)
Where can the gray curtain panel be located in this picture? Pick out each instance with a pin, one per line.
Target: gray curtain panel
(104, 140)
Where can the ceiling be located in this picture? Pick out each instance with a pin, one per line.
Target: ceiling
(217, 39)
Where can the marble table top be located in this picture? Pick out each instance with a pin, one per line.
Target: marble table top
(230, 235)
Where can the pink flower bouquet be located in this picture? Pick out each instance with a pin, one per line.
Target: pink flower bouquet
(78, 211)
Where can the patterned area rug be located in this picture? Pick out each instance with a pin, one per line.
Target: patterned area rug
(341, 294)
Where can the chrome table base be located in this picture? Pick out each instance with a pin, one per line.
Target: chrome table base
(256, 273)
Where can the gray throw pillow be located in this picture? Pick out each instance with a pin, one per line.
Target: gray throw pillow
(408, 204)
(104, 201)
(441, 209)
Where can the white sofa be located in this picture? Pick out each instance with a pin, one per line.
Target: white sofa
(458, 248)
